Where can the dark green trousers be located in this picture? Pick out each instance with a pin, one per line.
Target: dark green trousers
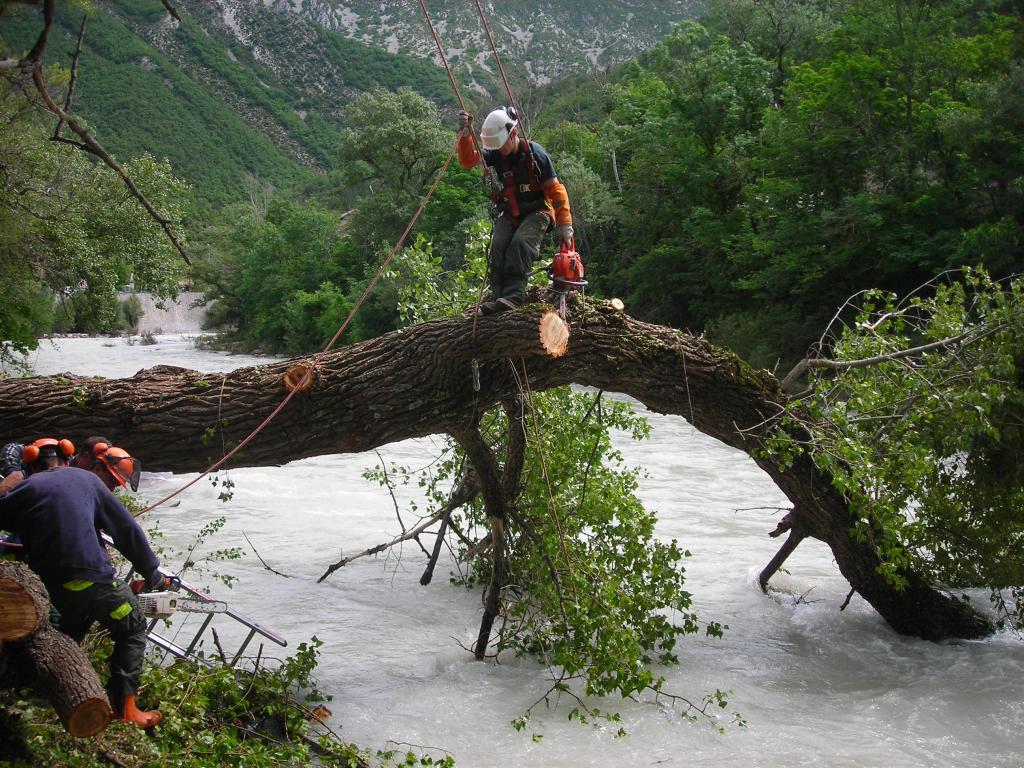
(513, 251)
(113, 607)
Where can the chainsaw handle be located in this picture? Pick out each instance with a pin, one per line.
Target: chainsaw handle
(172, 583)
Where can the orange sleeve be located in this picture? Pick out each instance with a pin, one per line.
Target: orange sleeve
(469, 155)
(555, 192)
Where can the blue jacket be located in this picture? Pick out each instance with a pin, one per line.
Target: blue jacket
(59, 514)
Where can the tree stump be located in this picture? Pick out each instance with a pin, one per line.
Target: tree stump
(48, 659)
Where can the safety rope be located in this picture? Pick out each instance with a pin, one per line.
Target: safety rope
(475, 364)
(497, 59)
(309, 371)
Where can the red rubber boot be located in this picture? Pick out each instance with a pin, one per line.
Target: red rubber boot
(145, 719)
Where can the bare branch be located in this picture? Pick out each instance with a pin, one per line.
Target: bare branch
(461, 494)
(844, 365)
(391, 490)
(410, 534)
(70, 98)
(32, 66)
(260, 558)
(95, 148)
(171, 9)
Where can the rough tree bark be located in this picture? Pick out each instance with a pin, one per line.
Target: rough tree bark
(45, 658)
(418, 381)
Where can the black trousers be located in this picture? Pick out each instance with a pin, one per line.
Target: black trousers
(115, 608)
(514, 248)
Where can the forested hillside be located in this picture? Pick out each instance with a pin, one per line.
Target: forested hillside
(763, 167)
(743, 178)
(218, 107)
(834, 184)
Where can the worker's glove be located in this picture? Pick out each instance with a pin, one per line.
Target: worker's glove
(156, 581)
(465, 122)
(563, 234)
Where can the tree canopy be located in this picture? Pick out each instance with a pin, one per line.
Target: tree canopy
(70, 229)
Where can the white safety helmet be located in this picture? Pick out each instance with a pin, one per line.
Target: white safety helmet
(497, 127)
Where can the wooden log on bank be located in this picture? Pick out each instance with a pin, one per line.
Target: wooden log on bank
(24, 603)
(45, 658)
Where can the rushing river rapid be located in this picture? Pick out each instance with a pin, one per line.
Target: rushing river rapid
(816, 686)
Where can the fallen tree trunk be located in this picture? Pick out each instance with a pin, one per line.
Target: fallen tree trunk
(420, 381)
(47, 659)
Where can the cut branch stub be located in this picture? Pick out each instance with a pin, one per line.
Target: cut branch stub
(554, 334)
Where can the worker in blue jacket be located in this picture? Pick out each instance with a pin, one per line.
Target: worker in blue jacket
(58, 511)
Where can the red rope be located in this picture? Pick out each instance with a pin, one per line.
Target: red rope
(497, 58)
(299, 387)
(444, 59)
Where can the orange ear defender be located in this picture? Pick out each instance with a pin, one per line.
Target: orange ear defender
(31, 452)
(99, 448)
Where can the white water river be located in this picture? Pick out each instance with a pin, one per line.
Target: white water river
(816, 686)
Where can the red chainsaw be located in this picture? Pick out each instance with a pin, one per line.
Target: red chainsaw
(566, 273)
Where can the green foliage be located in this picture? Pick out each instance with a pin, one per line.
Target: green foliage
(427, 290)
(684, 124)
(591, 591)
(258, 715)
(203, 100)
(776, 160)
(927, 445)
(287, 276)
(392, 147)
(130, 313)
(283, 281)
(70, 227)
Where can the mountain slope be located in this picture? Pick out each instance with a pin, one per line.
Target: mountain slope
(259, 86)
(539, 40)
(216, 107)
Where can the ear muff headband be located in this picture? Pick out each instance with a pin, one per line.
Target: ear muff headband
(31, 452)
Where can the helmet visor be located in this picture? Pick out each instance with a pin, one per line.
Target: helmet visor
(493, 140)
(124, 469)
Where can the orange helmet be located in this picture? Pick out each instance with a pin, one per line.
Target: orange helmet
(43, 445)
(121, 466)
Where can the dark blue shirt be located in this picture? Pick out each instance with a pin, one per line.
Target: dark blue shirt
(59, 513)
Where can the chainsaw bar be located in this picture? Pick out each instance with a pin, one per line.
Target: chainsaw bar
(162, 604)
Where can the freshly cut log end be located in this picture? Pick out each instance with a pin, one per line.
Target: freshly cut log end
(19, 615)
(554, 334)
(69, 681)
(88, 718)
(617, 305)
(295, 378)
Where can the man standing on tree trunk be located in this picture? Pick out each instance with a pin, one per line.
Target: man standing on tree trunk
(527, 197)
(59, 511)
